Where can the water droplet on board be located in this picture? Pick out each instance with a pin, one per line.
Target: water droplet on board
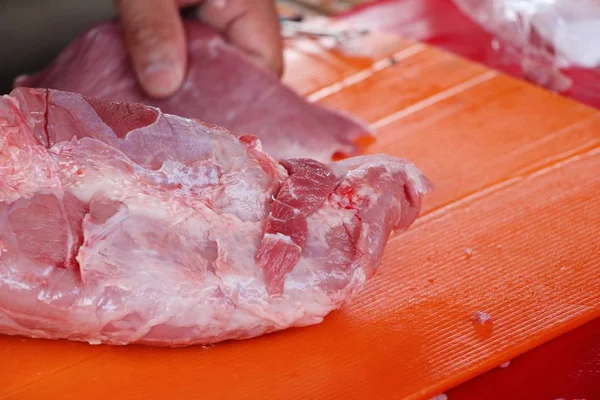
(483, 323)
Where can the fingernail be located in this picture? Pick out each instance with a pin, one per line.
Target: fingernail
(161, 78)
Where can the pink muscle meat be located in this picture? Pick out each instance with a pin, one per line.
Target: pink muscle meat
(122, 224)
(222, 87)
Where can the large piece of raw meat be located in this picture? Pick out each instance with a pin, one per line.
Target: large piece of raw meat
(121, 224)
(222, 87)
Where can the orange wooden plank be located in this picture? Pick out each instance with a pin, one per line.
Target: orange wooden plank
(510, 230)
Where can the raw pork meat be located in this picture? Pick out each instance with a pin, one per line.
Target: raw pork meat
(121, 224)
(223, 87)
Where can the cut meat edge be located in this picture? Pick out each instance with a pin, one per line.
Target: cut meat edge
(308, 186)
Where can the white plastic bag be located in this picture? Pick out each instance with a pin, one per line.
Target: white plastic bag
(544, 36)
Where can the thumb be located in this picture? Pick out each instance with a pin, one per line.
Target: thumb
(156, 42)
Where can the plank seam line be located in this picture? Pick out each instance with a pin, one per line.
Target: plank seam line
(585, 151)
(436, 98)
(43, 377)
(552, 135)
(365, 74)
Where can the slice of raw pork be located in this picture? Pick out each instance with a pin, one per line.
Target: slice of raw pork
(122, 224)
(222, 87)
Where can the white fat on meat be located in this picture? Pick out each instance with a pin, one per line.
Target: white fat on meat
(99, 247)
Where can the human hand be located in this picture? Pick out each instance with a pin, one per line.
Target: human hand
(156, 39)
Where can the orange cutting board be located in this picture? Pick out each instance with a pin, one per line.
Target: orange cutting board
(511, 230)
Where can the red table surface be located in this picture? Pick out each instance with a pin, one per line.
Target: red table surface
(569, 366)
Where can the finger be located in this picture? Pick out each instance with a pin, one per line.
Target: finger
(251, 25)
(156, 42)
